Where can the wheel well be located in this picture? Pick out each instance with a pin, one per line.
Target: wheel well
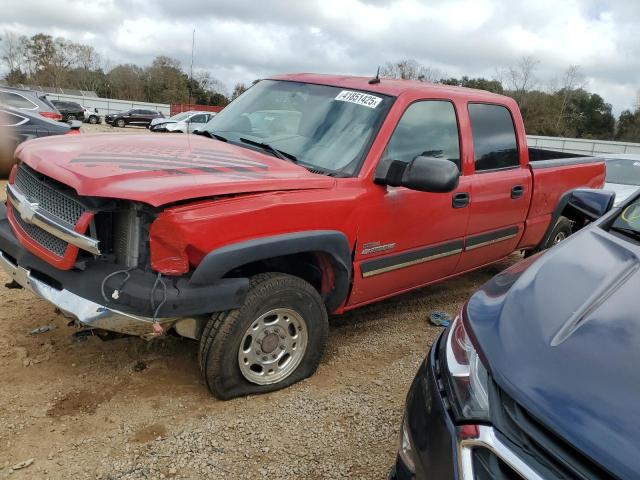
(314, 267)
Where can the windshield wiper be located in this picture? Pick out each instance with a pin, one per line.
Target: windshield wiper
(207, 133)
(629, 232)
(270, 148)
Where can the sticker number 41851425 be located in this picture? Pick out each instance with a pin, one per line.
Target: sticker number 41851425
(359, 98)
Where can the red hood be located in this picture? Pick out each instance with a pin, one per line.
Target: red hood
(161, 169)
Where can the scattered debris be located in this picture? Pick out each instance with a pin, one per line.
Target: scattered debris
(440, 319)
(43, 329)
(21, 465)
(139, 366)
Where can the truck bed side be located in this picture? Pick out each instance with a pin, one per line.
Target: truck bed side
(553, 174)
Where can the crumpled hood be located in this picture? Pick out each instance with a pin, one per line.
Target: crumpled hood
(561, 335)
(162, 169)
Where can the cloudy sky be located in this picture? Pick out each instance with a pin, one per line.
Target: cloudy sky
(240, 40)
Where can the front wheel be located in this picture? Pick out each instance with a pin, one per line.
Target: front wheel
(275, 339)
(93, 120)
(120, 123)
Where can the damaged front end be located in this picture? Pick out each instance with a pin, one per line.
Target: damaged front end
(90, 258)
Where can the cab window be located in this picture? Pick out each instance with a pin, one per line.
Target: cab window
(427, 128)
(494, 137)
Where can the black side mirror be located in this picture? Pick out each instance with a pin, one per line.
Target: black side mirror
(589, 204)
(425, 174)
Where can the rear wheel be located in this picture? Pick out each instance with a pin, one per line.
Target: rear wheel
(120, 123)
(275, 339)
(71, 117)
(561, 231)
(93, 120)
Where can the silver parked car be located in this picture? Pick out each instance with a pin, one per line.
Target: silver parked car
(623, 174)
(181, 122)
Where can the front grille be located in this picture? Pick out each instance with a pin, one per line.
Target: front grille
(545, 451)
(45, 239)
(39, 189)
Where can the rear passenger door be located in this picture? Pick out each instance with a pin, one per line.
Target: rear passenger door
(500, 187)
(197, 121)
(408, 238)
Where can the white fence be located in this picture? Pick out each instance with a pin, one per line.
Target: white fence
(582, 146)
(109, 105)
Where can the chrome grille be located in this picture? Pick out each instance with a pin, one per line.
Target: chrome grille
(39, 190)
(45, 239)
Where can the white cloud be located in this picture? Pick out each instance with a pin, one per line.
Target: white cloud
(244, 39)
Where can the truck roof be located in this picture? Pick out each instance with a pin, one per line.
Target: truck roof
(393, 87)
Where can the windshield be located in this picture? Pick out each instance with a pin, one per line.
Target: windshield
(629, 218)
(623, 171)
(327, 128)
(180, 116)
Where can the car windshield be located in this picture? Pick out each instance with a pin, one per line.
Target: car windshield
(623, 171)
(322, 127)
(629, 219)
(178, 117)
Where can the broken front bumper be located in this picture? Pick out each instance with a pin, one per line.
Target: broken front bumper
(78, 293)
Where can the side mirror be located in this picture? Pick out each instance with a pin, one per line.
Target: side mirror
(425, 174)
(590, 204)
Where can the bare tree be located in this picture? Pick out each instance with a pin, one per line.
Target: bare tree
(14, 51)
(410, 69)
(521, 78)
(573, 80)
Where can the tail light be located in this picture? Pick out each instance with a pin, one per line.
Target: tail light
(52, 115)
(72, 131)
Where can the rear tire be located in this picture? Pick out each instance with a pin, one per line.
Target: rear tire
(274, 340)
(71, 118)
(560, 232)
(93, 120)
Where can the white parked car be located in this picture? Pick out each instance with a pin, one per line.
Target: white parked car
(184, 122)
(623, 174)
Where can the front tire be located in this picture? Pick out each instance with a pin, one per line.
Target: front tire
(93, 120)
(274, 340)
(120, 123)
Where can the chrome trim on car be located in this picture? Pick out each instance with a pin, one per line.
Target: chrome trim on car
(32, 213)
(486, 438)
(88, 313)
(490, 242)
(417, 261)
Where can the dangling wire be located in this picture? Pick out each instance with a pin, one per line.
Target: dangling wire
(116, 293)
(155, 309)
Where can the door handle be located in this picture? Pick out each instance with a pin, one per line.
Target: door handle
(517, 191)
(460, 200)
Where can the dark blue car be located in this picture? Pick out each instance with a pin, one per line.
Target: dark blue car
(538, 377)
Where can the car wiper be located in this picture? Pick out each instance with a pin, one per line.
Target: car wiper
(629, 232)
(207, 133)
(270, 148)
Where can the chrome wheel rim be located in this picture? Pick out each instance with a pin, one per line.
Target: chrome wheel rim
(559, 237)
(273, 346)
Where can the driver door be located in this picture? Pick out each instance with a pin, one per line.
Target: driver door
(409, 238)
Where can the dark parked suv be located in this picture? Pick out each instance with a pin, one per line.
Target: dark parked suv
(135, 116)
(537, 378)
(69, 110)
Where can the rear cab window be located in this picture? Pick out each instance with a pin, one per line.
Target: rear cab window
(494, 137)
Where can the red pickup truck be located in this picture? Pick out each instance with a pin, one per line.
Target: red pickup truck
(312, 195)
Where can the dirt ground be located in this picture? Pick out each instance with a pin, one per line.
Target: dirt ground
(129, 409)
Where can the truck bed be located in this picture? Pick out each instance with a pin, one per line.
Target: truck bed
(554, 173)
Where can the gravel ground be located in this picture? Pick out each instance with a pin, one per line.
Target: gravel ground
(128, 409)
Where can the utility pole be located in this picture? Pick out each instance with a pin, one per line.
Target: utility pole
(193, 44)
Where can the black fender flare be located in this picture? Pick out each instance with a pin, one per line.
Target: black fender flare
(560, 208)
(222, 260)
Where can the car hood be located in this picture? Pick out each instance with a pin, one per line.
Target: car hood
(561, 335)
(622, 191)
(158, 120)
(160, 170)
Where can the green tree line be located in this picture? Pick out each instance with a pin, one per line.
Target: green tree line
(59, 63)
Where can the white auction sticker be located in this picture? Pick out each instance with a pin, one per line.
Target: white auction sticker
(359, 98)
